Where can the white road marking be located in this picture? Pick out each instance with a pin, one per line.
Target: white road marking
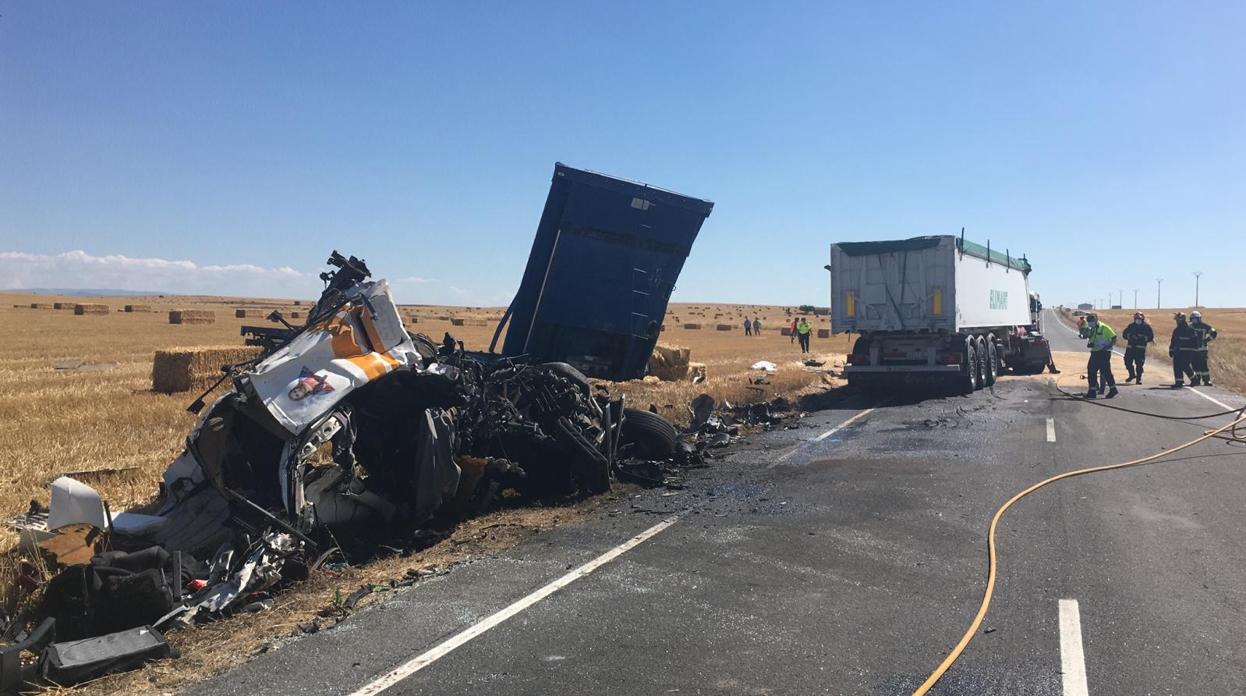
(823, 436)
(461, 638)
(1072, 658)
(1213, 399)
(1051, 430)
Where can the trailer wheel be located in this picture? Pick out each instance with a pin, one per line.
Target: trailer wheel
(991, 364)
(968, 383)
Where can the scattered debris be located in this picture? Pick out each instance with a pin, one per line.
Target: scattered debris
(765, 365)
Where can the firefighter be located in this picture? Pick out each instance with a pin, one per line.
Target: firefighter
(1137, 335)
(1181, 348)
(1101, 338)
(1206, 334)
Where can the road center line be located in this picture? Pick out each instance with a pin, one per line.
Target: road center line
(1072, 657)
(855, 417)
(461, 638)
(1051, 430)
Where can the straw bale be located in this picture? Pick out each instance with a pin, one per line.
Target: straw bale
(138, 308)
(81, 309)
(64, 305)
(669, 363)
(724, 327)
(192, 316)
(40, 305)
(692, 327)
(183, 369)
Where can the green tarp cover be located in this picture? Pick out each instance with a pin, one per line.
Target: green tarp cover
(919, 243)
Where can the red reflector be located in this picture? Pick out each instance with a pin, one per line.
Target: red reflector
(950, 358)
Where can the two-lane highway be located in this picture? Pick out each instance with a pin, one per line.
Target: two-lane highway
(847, 557)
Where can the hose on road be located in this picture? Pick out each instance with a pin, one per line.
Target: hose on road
(1233, 435)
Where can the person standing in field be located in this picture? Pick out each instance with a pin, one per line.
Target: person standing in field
(793, 331)
(756, 326)
(1137, 336)
(802, 329)
(748, 327)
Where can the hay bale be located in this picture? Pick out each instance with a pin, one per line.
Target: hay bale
(40, 305)
(724, 327)
(669, 363)
(296, 315)
(240, 314)
(81, 309)
(183, 369)
(457, 321)
(824, 333)
(137, 308)
(64, 305)
(192, 316)
(692, 327)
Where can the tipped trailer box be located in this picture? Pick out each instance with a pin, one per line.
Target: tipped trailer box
(602, 267)
(934, 309)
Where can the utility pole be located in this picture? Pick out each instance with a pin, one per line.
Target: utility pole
(1158, 283)
(1135, 298)
(1196, 277)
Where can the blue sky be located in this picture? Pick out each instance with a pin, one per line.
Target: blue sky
(227, 147)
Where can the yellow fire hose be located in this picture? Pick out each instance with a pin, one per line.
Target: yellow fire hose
(992, 564)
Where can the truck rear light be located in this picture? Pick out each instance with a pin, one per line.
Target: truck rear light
(950, 358)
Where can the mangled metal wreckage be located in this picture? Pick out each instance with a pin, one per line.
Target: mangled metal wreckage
(350, 422)
(345, 432)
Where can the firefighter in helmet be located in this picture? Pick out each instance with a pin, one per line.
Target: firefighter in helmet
(1137, 335)
(1198, 361)
(1181, 349)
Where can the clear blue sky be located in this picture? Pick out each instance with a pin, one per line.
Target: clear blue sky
(219, 146)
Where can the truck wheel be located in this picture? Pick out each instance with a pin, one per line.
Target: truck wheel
(650, 435)
(968, 383)
(991, 364)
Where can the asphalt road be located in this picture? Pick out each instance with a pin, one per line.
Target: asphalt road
(850, 563)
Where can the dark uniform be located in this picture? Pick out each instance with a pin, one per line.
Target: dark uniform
(1198, 358)
(1181, 348)
(1137, 336)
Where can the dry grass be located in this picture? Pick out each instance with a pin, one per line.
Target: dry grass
(1227, 357)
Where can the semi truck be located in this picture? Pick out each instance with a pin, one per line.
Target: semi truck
(935, 309)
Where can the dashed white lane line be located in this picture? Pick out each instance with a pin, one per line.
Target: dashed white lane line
(855, 417)
(461, 638)
(1072, 657)
(1213, 399)
(1051, 430)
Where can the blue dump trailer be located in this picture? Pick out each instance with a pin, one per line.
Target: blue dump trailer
(604, 262)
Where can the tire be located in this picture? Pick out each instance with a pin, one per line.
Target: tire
(968, 383)
(569, 371)
(589, 466)
(991, 364)
(650, 435)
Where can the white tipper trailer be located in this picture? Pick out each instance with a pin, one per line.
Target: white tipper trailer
(934, 309)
